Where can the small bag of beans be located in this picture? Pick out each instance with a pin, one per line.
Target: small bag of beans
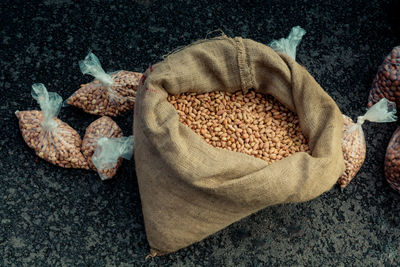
(109, 153)
(353, 140)
(52, 139)
(102, 127)
(392, 161)
(289, 45)
(109, 94)
(387, 81)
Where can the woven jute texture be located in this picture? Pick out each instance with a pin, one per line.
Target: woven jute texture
(190, 189)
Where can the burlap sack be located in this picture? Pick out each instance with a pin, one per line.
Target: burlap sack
(189, 189)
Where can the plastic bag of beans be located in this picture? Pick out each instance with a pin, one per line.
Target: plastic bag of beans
(109, 94)
(185, 178)
(109, 153)
(387, 81)
(353, 141)
(392, 161)
(52, 139)
(102, 127)
(289, 45)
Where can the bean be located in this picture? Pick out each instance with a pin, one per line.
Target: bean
(254, 124)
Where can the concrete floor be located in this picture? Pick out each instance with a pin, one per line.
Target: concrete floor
(60, 217)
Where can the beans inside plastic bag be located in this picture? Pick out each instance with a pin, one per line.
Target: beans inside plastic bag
(392, 161)
(109, 94)
(353, 140)
(387, 81)
(109, 153)
(102, 127)
(52, 139)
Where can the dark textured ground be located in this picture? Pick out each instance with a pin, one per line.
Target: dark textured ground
(54, 216)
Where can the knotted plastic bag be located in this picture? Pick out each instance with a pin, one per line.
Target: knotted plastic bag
(52, 139)
(109, 153)
(387, 81)
(109, 94)
(288, 45)
(392, 161)
(353, 140)
(102, 127)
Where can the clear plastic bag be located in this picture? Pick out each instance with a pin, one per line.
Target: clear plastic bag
(289, 45)
(109, 94)
(52, 139)
(392, 161)
(353, 141)
(102, 127)
(387, 81)
(109, 153)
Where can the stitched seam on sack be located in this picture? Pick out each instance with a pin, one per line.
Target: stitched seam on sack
(246, 68)
(240, 63)
(140, 110)
(244, 84)
(245, 76)
(250, 71)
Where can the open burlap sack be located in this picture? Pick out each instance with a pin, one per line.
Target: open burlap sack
(189, 189)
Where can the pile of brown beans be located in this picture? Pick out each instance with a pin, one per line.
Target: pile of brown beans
(252, 123)
(392, 161)
(95, 98)
(354, 150)
(387, 81)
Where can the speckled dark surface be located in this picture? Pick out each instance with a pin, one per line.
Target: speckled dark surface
(60, 217)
